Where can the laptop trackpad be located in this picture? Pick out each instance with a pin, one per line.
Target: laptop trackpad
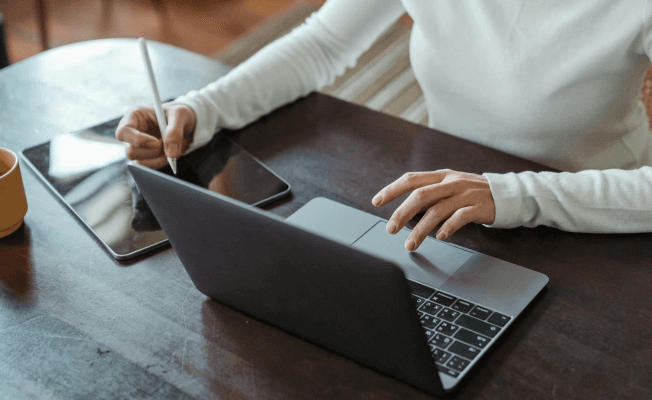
(432, 263)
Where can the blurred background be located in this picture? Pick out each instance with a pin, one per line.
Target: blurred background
(207, 27)
(202, 26)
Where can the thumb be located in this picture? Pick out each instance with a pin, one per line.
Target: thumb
(179, 131)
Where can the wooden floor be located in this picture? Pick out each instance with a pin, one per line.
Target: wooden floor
(202, 26)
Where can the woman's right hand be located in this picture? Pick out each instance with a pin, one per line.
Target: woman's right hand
(139, 130)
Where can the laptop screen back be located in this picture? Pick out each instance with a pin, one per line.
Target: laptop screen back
(323, 291)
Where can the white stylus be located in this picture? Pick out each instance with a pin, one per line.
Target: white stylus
(158, 107)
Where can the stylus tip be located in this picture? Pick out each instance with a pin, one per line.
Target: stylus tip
(173, 164)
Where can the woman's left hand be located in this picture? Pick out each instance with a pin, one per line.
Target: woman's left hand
(457, 197)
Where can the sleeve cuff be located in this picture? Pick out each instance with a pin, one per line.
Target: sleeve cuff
(204, 132)
(508, 200)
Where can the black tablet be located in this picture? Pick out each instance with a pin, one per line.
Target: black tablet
(87, 170)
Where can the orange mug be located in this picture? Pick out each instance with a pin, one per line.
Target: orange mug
(13, 203)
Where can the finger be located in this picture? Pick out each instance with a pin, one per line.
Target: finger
(420, 199)
(459, 218)
(433, 216)
(176, 138)
(127, 120)
(142, 120)
(138, 144)
(154, 163)
(406, 183)
(153, 150)
(140, 136)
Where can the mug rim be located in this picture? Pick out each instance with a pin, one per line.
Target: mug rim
(13, 167)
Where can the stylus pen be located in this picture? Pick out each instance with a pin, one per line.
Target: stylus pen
(158, 107)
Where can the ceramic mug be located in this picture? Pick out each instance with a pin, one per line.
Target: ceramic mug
(13, 203)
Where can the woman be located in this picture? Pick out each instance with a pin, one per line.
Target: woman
(552, 81)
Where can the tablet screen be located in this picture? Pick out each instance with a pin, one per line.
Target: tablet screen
(87, 170)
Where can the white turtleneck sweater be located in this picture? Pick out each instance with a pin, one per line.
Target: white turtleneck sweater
(553, 81)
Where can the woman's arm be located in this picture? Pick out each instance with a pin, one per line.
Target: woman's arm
(307, 59)
(609, 201)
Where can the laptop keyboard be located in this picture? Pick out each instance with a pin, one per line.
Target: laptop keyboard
(457, 330)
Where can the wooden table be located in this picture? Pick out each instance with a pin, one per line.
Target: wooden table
(75, 323)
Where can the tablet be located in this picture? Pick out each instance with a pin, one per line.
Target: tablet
(87, 171)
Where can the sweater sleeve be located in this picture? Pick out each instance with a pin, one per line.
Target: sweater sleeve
(306, 59)
(605, 201)
(608, 201)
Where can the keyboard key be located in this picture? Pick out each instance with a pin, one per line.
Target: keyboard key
(429, 334)
(440, 340)
(476, 325)
(447, 328)
(448, 371)
(480, 312)
(430, 307)
(419, 314)
(417, 300)
(472, 338)
(440, 355)
(464, 350)
(463, 306)
(419, 289)
(448, 315)
(457, 363)
(499, 319)
(444, 299)
(428, 321)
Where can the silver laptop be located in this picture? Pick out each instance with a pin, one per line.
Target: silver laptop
(332, 275)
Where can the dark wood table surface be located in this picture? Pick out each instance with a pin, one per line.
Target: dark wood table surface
(75, 323)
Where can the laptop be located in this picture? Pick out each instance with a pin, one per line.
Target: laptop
(332, 275)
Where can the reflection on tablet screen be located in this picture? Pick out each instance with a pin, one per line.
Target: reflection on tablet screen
(88, 172)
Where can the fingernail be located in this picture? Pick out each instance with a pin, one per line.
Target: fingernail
(173, 150)
(410, 245)
(391, 227)
(442, 235)
(377, 200)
